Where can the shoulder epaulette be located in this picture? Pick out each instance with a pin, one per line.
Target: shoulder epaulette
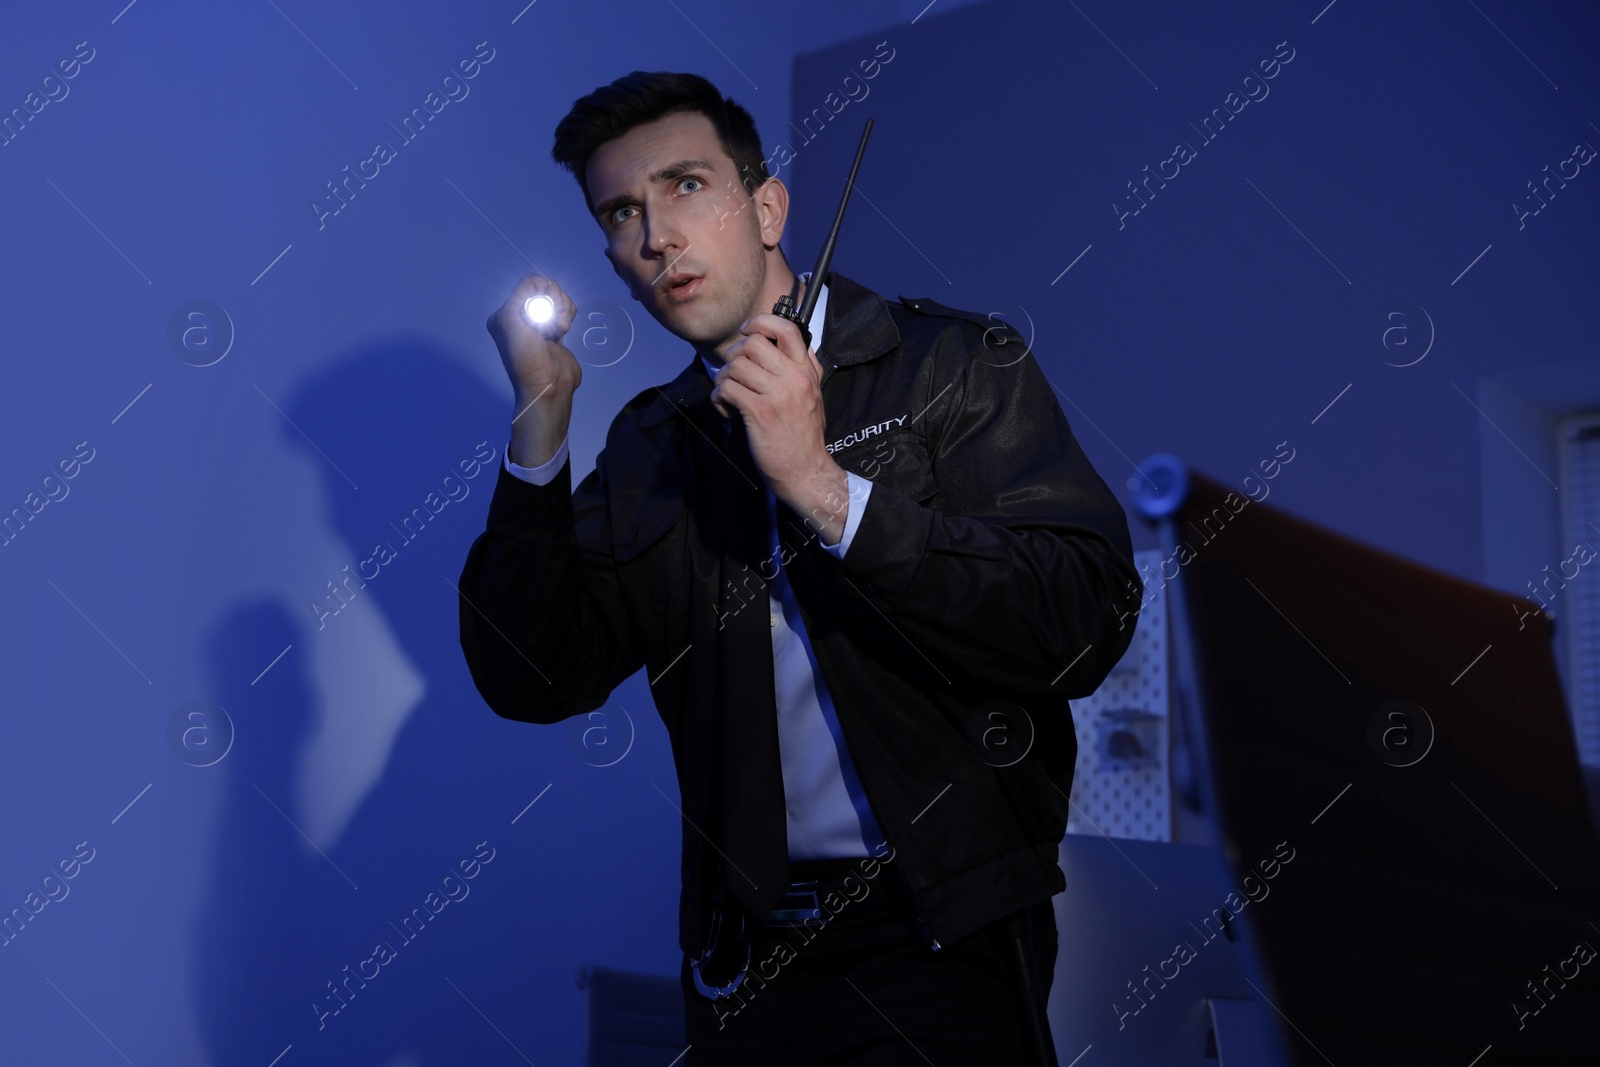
(990, 323)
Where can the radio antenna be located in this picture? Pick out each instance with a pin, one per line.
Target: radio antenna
(785, 306)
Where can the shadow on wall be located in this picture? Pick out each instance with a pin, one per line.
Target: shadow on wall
(348, 949)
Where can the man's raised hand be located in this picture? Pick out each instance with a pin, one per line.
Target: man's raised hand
(544, 373)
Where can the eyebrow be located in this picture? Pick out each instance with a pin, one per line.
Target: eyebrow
(665, 174)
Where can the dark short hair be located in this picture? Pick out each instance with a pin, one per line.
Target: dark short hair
(644, 96)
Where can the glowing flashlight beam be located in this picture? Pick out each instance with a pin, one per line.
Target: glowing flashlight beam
(539, 309)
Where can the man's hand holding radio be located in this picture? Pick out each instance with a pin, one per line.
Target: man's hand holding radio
(776, 385)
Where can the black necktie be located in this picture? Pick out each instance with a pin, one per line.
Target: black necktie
(750, 768)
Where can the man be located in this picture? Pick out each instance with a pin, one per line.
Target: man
(874, 759)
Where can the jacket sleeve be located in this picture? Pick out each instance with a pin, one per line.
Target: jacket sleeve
(1023, 577)
(543, 626)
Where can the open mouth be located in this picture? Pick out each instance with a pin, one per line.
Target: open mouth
(683, 288)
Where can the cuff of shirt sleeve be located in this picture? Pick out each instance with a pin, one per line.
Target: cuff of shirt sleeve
(860, 490)
(545, 472)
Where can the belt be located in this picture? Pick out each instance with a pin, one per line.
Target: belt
(814, 882)
(806, 902)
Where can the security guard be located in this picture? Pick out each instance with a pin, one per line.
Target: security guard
(868, 832)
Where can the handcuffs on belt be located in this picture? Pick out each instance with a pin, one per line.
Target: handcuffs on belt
(800, 906)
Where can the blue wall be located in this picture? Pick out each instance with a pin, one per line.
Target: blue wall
(1299, 245)
(224, 868)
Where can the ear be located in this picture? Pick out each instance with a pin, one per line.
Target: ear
(772, 210)
(617, 270)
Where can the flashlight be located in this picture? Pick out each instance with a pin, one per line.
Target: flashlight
(539, 309)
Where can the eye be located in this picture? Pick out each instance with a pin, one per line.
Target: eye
(697, 181)
(616, 215)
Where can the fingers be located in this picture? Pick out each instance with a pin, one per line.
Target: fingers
(511, 317)
(730, 396)
(767, 353)
(756, 350)
(781, 332)
(757, 360)
(724, 380)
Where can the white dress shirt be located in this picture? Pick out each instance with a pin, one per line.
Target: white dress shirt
(828, 813)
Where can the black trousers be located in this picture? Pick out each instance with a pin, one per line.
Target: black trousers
(864, 989)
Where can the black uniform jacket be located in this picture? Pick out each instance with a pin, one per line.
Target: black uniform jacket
(990, 579)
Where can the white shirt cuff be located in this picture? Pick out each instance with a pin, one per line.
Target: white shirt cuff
(860, 490)
(544, 473)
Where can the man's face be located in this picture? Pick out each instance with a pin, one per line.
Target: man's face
(671, 205)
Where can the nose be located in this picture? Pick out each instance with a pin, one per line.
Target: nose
(663, 235)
